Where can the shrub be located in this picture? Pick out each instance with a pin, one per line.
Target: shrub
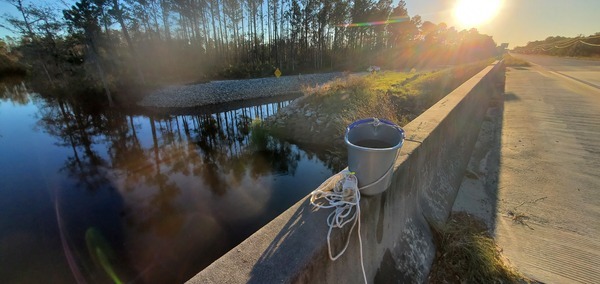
(511, 61)
(259, 135)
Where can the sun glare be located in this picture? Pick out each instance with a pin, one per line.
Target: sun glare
(471, 13)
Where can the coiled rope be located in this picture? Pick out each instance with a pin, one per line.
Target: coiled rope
(345, 198)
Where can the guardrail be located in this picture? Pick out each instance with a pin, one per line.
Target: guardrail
(395, 225)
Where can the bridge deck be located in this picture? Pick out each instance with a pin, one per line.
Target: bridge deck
(548, 203)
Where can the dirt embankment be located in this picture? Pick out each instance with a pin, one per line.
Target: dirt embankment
(304, 123)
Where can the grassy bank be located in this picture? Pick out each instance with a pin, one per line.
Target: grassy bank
(320, 117)
(397, 96)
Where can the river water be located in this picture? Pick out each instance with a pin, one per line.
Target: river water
(106, 196)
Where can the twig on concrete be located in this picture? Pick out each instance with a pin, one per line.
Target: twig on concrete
(530, 202)
(518, 218)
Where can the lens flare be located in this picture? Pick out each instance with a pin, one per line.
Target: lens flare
(471, 13)
(377, 23)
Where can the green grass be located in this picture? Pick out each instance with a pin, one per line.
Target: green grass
(387, 80)
(259, 135)
(467, 253)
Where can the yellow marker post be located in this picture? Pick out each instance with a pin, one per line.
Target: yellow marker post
(277, 72)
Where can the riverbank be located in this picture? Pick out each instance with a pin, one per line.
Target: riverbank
(320, 117)
(329, 103)
(215, 92)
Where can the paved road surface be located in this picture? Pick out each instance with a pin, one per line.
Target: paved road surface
(548, 203)
(586, 71)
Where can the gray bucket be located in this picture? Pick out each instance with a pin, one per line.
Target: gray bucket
(373, 146)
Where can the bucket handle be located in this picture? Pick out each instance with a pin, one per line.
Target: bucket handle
(373, 119)
(384, 175)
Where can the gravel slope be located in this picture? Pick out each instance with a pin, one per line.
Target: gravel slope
(231, 90)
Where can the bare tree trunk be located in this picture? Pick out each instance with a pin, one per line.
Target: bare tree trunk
(195, 23)
(155, 18)
(279, 36)
(165, 18)
(214, 29)
(183, 27)
(262, 31)
(92, 49)
(223, 36)
(241, 36)
(270, 37)
(235, 40)
(119, 16)
(31, 34)
(254, 33)
(205, 35)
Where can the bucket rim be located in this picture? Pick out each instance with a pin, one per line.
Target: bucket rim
(367, 120)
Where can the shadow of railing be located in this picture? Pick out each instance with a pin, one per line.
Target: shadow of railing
(478, 195)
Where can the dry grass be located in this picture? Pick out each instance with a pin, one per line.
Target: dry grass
(397, 96)
(321, 117)
(511, 61)
(467, 253)
(354, 97)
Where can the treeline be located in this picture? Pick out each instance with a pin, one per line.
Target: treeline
(9, 62)
(581, 46)
(113, 43)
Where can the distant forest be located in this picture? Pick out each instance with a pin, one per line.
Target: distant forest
(580, 46)
(113, 44)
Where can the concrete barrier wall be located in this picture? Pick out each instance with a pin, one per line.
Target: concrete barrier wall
(395, 225)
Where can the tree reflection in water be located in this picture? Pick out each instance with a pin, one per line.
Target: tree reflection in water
(16, 93)
(184, 188)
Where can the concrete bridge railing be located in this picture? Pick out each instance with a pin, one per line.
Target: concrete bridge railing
(395, 225)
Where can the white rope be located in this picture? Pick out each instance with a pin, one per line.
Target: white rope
(344, 197)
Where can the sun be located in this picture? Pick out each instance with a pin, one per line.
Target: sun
(472, 13)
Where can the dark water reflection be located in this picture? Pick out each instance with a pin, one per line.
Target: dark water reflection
(90, 195)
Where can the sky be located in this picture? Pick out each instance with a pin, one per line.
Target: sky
(517, 21)
(520, 21)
